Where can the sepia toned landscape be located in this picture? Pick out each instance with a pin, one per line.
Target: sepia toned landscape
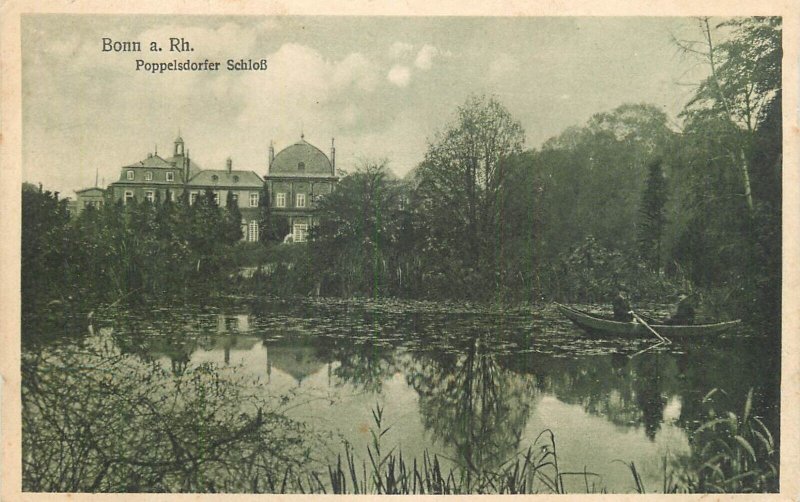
(474, 256)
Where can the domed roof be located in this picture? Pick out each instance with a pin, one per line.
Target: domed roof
(301, 159)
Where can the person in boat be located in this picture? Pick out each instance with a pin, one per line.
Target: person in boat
(622, 307)
(684, 312)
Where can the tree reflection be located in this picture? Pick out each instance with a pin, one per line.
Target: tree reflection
(627, 392)
(366, 365)
(471, 404)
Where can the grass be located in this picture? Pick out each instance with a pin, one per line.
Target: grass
(732, 453)
(535, 470)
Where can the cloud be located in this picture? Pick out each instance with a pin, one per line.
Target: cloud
(399, 75)
(425, 57)
(356, 70)
(400, 50)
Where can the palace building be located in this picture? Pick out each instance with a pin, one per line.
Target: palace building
(295, 178)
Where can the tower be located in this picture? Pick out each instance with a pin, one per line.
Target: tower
(178, 146)
(271, 155)
(333, 159)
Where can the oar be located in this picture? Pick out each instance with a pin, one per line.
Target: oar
(645, 350)
(643, 322)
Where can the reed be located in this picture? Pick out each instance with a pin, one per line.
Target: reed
(534, 470)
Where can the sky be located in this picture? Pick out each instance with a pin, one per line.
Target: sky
(382, 86)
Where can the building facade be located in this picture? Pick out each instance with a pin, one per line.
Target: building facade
(244, 187)
(94, 196)
(155, 178)
(296, 177)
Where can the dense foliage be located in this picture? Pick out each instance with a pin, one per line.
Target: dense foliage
(625, 200)
(134, 250)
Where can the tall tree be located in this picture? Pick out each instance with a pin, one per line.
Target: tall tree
(459, 183)
(358, 232)
(233, 220)
(653, 216)
(265, 227)
(745, 78)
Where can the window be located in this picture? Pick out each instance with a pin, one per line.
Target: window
(214, 177)
(300, 231)
(301, 166)
(252, 234)
(216, 198)
(148, 176)
(193, 197)
(128, 196)
(170, 176)
(130, 175)
(244, 230)
(235, 178)
(280, 200)
(253, 199)
(300, 200)
(172, 196)
(149, 196)
(235, 197)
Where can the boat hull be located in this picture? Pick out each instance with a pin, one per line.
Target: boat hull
(600, 326)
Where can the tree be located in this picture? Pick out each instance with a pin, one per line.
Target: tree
(745, 79)
(459, 184)
(45, 224)
(265, 228)
(651, 229)
(233, 220)
(358, 231)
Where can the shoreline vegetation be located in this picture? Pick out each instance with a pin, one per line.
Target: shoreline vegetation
(96, 419)
(626, 200)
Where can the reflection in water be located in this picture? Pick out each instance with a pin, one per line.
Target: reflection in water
(472, 404)
(473, 389)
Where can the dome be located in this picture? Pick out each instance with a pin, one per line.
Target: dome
(301, 159)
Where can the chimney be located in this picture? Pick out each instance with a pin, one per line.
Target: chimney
(186, 170)
(229, 164)
(271, 155)
(333, 159)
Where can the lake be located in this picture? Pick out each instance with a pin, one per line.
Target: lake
(474, 387)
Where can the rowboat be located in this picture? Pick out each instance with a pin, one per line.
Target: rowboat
(598, 325)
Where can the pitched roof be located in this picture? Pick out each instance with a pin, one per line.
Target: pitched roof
(193, 167)
(153, 161)
(90, 189)
(247, 179)
(287, 162)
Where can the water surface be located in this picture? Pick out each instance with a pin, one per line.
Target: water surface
(471, 386)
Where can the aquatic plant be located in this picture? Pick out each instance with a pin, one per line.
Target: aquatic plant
(732, 453)
(534, 470)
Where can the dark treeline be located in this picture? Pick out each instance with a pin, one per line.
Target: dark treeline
(130, 251)
(626, 200)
